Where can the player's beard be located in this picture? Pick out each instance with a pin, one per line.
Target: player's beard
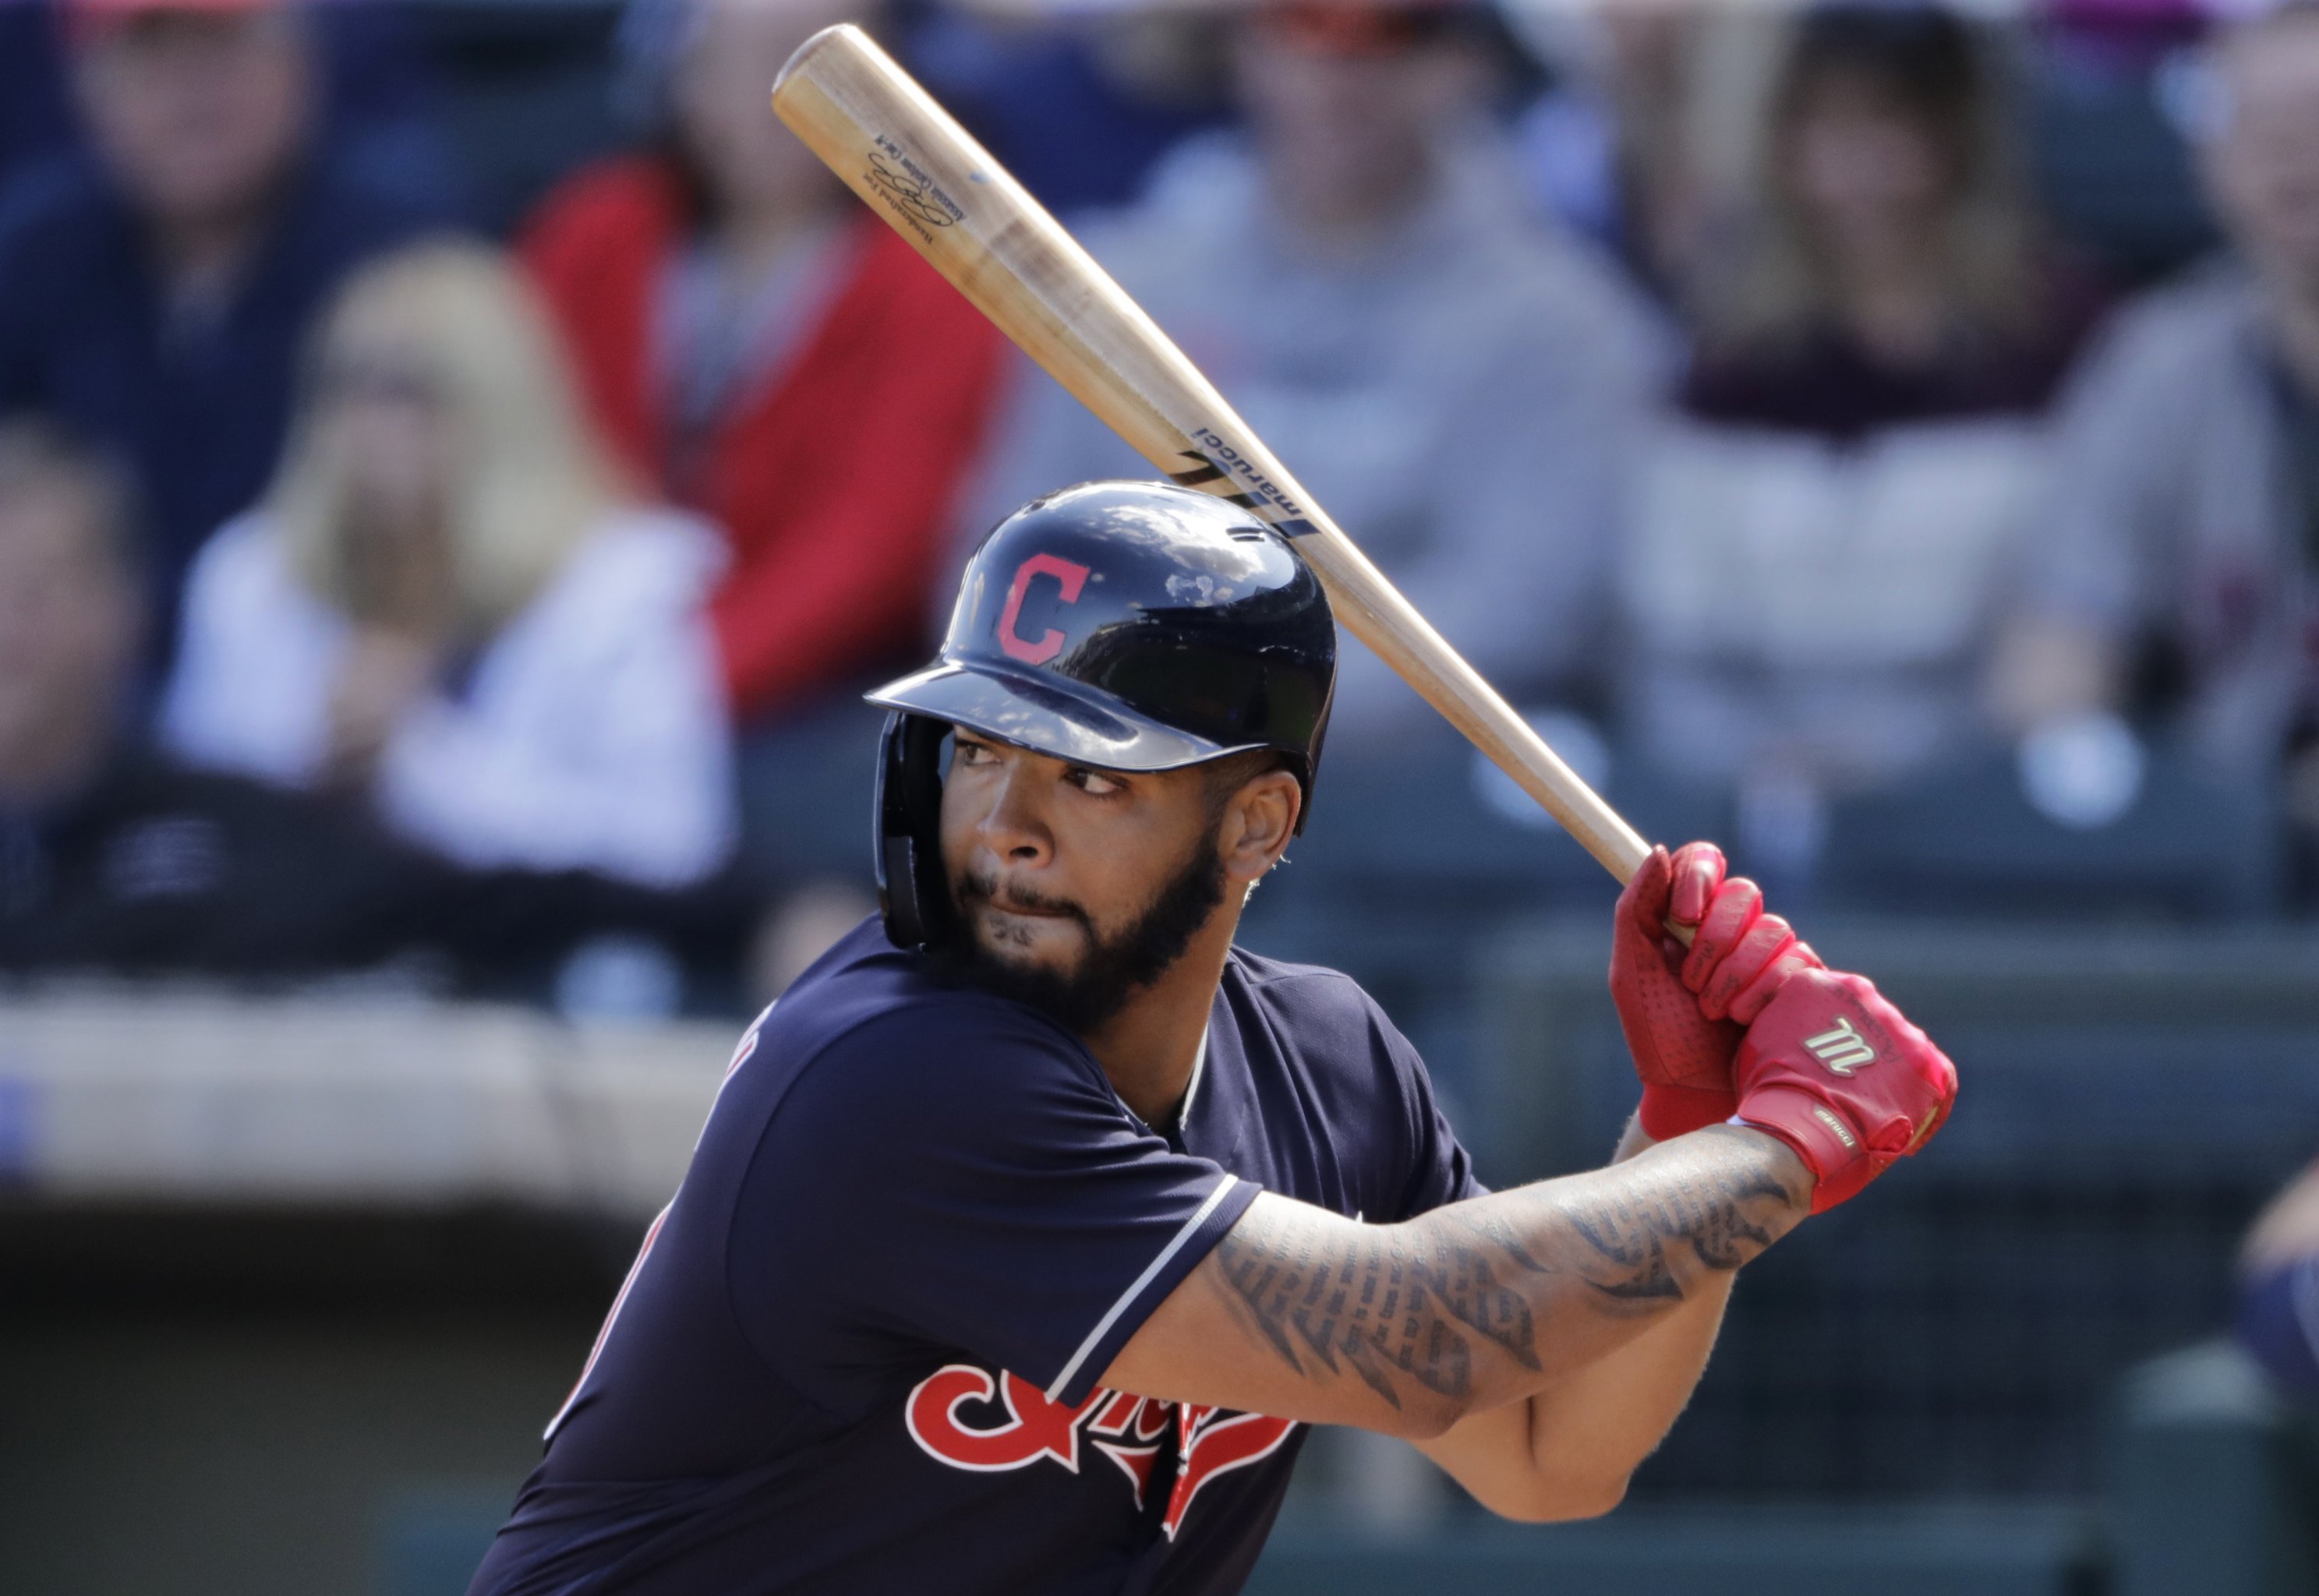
(1114, 968)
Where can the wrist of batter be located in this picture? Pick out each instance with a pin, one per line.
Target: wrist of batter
(1829, 1148)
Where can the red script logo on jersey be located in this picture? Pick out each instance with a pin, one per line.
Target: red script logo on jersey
(1039, 650)
(1126, 1430)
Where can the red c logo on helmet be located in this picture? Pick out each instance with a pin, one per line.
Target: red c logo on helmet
(1071, 578)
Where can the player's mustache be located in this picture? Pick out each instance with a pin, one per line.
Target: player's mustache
(974, 888)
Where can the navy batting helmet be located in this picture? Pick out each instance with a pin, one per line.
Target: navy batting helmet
(1122, 625)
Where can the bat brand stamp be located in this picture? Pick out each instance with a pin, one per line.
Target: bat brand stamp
(910, 190)
(1220, 460)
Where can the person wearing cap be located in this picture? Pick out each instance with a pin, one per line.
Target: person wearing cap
(154, 294)
(1036, 1225)
(1454, 374)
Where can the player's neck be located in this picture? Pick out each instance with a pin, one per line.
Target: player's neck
(1149, 1049)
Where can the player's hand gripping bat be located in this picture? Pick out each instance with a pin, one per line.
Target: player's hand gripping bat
(900, 151)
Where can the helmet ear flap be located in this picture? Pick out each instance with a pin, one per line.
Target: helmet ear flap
(1308, 764)
(913, 891)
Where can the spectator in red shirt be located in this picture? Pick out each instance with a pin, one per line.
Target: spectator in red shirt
(769, 354)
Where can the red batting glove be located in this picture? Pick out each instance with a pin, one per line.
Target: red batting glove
(1684, 1010)
(1833, 1070)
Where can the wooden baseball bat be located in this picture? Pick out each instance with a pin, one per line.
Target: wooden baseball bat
(857, 109)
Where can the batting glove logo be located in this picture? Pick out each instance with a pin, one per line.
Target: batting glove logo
(1842, 1050)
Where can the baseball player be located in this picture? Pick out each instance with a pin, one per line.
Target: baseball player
(1035, 1225)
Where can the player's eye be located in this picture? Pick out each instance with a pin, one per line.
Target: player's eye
(971, 753)
(1095, 783)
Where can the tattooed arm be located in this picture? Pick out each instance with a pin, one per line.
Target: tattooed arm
(1415, 1329)
(1567, 1450)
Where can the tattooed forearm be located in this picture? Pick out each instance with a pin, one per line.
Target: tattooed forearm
(1721, 1213)
(1387, 1301)
(1459, 1296)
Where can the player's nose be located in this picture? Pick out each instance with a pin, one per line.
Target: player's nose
(1011, 827)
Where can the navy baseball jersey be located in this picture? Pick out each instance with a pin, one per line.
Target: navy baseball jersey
(859, 1351)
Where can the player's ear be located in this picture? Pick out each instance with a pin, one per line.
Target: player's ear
(1258, 822)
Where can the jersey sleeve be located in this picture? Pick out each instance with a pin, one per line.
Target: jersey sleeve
(1440, 1170)
(960, 1176)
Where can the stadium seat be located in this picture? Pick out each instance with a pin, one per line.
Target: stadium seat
(2215, 1482)
(2194, 844)
(2107, 158)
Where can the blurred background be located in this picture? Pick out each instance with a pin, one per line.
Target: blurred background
(461, 461)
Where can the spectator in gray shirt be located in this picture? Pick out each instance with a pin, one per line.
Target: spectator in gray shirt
(1363, 277)
(2183, 529)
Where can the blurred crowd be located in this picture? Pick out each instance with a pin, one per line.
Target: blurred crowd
(1855, 403)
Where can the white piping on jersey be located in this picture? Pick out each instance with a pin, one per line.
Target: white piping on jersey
(1150, 1272)
(1192, 1090)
